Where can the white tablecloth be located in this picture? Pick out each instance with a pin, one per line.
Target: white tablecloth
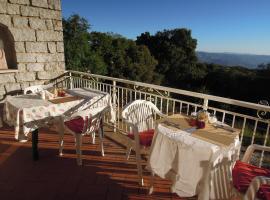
(29, 112)
(185, 160)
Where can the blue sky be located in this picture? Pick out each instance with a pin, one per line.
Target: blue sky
(241, 26)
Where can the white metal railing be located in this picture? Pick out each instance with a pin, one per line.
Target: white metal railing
(238, 114)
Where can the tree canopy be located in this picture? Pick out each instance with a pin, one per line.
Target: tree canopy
(167, 57)
(175, 52)
(106, 53)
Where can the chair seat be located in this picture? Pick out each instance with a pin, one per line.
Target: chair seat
(146, 137)
(243, 173)
(76, 125)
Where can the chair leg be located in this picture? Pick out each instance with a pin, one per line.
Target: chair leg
(138, 158)
(93, 135)
(152, 179)
(61, 143)
(129, 148)
(78, 148)
(101, 141)
(61, 138)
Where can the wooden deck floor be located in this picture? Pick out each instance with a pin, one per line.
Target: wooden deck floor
(54, 177)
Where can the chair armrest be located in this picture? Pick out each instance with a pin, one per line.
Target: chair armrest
(128, 122)
(251, 149)
(255, 186)
(161, 114)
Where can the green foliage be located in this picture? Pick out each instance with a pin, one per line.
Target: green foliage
(123, 57)
(166, 58)
(175, 52)
(106, 53)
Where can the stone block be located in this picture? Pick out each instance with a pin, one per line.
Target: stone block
(35, 67)
(20, 22)
(22, 2)
(49, 24)
(54, 4)
(50, 14)
(5, 19)
(12, 87)
(19, 47)
(7, 78)
(25, 76)
(48, 75)
(3, 7)
(36, 47)
(29, 11)
(37, 24)
(49, 36)
(54, 66)
(21, 67)
(49, 66)
(13, 9)
(26, 57)
(61, 66)
(52, 47)
(37, 83)
(2, 90)
(46, 57)
(40, 3)
(60, 57)
(2, 87)
(23, 34)
(57, 25)
(25, 85)
(2, 93)
(60, 47)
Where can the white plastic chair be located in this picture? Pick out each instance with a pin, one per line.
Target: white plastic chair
(256, 182)
(36, 88)
(140, 116)
(91, 121)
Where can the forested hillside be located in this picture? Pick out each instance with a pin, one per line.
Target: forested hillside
(233, 59)
(167, 58)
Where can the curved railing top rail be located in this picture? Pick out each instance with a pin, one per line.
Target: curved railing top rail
(182, 92)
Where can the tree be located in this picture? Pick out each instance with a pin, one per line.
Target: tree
(78, 53)
(175, 52)
(124, 58)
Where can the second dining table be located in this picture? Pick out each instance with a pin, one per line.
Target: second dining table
(28, 113)
(182, 153)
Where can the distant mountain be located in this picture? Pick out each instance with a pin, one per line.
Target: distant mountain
(233, 59)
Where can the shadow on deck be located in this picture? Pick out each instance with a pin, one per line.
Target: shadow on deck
(54, 177)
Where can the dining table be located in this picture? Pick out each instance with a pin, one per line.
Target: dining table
(183, 153)
(28, 113)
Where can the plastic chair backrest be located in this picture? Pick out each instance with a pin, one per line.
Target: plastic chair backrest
(141, 114)
(91, 117)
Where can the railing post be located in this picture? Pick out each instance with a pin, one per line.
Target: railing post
(70, 81)
(205, 104)
(114, 98)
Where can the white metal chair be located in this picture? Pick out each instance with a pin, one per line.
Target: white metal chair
(247, 179)
(140, 116)
(84, 122)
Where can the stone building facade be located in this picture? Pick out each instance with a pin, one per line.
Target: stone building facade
(32, 30)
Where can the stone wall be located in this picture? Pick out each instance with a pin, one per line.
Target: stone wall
(36, 26)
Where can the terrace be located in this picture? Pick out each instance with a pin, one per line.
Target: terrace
(112, 177)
